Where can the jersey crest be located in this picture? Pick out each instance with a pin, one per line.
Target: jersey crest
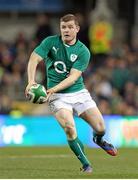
(73, 57)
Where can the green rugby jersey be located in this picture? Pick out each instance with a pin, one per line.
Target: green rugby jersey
(59, 58)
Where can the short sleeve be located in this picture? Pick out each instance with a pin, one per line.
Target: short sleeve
(44, 48)
(82, 61)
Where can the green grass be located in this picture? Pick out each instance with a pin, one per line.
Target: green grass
(60, 163)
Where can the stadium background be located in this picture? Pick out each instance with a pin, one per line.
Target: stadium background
(109, 29)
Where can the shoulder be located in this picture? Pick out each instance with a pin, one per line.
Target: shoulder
(82, 47)
(51, 38)
(50, 41)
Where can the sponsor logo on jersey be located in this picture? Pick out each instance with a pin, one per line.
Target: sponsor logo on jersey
(73, 57)
(55, 49)
(60, 67)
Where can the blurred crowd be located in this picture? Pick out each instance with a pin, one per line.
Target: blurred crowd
(114, 85)
(111, 78)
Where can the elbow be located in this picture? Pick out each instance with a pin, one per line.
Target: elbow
(74, 81)
(35, 57)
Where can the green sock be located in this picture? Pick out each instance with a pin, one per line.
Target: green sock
(98, 137)
(78, 149)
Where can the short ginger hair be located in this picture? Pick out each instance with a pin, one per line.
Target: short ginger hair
(69, 17)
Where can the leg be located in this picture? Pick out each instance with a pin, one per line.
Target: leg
(65, 119)
(95, 119)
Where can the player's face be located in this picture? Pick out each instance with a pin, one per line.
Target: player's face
(69, 31)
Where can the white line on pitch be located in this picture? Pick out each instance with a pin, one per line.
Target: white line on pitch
(36, 156)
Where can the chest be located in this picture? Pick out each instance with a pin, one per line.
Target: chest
(64, 53)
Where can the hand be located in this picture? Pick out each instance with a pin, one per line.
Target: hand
(28, 87)
(50, 92)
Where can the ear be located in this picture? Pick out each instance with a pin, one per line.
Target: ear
(78, 28)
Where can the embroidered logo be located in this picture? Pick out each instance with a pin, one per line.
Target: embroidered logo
(73, 57)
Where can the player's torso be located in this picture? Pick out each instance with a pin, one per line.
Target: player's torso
(62, 57)
(60, 61)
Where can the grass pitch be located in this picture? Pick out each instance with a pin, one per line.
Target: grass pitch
(60, 163)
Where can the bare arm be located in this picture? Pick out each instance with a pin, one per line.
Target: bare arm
(31, 69)
(70, 80)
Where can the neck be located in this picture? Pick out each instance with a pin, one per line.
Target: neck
(70, 42)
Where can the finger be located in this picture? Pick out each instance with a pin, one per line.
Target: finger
(50, 91)
(48, 95)
(26, 94)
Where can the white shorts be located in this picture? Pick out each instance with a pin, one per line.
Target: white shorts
(77, 102)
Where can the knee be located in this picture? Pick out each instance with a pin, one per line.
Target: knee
(70, 130)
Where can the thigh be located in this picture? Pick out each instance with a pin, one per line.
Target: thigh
(94, 117)
(57, 103)
(65, 117)
(83, 102)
